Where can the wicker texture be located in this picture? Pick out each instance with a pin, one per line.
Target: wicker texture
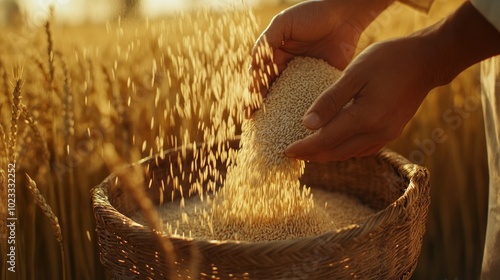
(386, 246)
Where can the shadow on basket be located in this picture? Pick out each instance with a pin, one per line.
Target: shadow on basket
(385, 246)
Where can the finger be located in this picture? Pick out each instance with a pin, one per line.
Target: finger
(331, 101)
(360, 145)
(326, 138)
(267, 58)
(357, 146)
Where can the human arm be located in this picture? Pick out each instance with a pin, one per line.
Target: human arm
(388, 82)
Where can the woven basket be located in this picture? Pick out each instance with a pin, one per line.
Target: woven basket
(385, 246)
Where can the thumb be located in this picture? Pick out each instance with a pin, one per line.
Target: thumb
(330, 102)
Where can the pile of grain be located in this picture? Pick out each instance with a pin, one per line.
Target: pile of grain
(262, 198)
(193, 220)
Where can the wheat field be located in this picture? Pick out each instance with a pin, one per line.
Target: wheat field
(67, 91)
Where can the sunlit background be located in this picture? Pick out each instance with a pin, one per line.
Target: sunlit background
(85, 11)
(456, 223)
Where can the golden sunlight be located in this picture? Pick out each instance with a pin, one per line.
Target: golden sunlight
(80, 11)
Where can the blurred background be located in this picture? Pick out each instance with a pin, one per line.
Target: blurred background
(456, 223)
(81, 11)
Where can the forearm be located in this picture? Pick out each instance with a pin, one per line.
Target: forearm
(461, 40)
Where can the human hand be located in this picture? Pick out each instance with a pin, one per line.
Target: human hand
(325, 29)
(387, 83)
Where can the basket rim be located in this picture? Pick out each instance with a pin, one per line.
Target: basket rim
(418, 177)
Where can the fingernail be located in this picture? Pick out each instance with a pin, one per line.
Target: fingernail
(311, 120)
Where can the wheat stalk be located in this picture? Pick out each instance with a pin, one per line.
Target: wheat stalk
(6, 87)
(40, 66)
(67, 103)
(50, 51)
(23, 140)
(53, 98)
(133, 181)
(15, 111)
(5, 78)
(3, 142)
(28, 118)
(47, 211)
(5, 82)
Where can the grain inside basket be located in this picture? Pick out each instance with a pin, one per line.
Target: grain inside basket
(262, 198)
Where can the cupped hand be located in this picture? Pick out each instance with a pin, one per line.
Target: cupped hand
(387, 83)
(328, 29)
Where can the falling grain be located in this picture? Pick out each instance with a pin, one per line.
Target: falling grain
(262, 193)
(262, 198)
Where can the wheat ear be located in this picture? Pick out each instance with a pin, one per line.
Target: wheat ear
(69, 122)
(16, 100)
(28, 118)
(50, 51)
(47, 211)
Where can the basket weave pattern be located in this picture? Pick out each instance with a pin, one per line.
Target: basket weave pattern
(385, 246)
